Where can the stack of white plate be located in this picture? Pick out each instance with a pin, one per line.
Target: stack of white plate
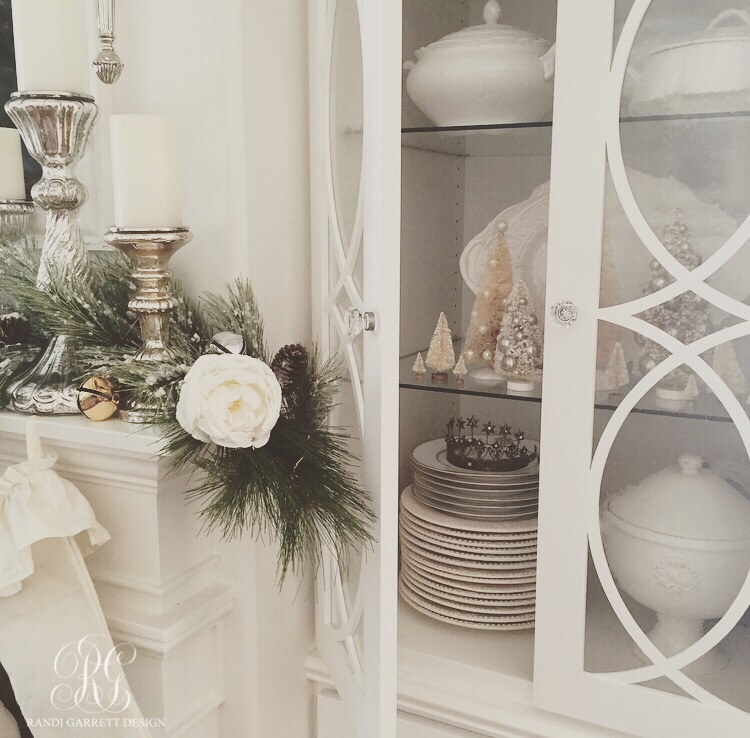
(475, 494)
(475, 573)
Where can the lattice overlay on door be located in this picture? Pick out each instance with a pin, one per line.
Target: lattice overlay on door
(679, 183)
(340, 590)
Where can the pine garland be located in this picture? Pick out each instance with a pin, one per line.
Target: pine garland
(299, 489)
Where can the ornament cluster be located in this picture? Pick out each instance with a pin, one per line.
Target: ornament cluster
(518, 357)
(684, 317)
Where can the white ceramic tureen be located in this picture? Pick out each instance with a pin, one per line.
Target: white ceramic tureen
(704, 72)
(679, 543)
(482, 75)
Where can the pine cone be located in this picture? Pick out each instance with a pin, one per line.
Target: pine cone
(14, 328)
(289, 365)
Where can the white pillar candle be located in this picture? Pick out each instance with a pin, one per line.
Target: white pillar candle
(11, 165)
(145, 172)
(52, 50)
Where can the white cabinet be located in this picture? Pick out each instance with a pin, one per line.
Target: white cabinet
(630, 207)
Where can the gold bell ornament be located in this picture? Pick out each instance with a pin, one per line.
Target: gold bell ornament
(98, 398)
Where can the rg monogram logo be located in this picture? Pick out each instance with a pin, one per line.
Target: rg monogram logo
(94, 678)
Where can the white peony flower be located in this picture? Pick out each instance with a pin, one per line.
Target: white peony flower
(231, 400)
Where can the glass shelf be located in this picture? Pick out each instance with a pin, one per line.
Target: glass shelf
(526, 138)
(482, 141)
(704, 407)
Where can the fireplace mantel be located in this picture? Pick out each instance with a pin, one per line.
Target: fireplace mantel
(158, 578)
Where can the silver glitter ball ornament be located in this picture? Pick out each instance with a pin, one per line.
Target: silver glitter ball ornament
(508, 363)
(487, 355)
(504, 343)
(520, 335)
(227, 342)
(531, 320)
(515, 321)
(646, 364)
(532, 350)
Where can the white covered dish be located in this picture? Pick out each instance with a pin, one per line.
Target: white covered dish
(703, 72)
(483, 75)
(679, 543)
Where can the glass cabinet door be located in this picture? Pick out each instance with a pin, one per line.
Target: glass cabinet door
(644, 578)
(352, 248)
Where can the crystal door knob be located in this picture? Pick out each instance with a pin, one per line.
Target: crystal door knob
(564, 313)
(356, 322)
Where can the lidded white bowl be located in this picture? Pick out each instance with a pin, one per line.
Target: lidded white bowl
(686, 501)
(483, 75)
(679, 543)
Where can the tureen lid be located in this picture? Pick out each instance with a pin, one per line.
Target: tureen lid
(687, 501)
(717, 30)
(490, 32)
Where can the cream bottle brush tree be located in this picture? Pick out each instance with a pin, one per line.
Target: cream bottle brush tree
(441, 358)
(489, 307)
(519, 345)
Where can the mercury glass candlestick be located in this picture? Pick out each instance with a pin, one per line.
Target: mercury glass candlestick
(108, 64)
(14, 219)
(55, 127)
(150, 250)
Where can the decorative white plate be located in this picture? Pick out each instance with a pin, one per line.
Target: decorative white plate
(526, 575)
(465, 606)
(474, 513)
(473, 592)
(491, 566)
(451, 522)
(420, 546)
(475, 589)
(450, 486)
(658, 196)
(486, 505)
(433, 455)
(478, 537)
(465, 621)
(456, 544)
(455, 481)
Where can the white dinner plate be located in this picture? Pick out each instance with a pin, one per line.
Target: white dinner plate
(527, 575)
(471, 590)
(484, 607)
(473, 513)
(508, 557)
(471, 483)
(511, 563)
(472, 537)
(476, 492)
(451, 522)
(460, 544)
(446, 615)
(485, 504)
(479, 589)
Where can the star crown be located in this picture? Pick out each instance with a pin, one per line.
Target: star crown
(493, 449)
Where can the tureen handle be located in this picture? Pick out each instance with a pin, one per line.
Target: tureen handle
(691, 463)
(548, 63)
(731, 14)
(492, 12)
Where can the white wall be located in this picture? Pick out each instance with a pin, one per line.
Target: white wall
(233, 74)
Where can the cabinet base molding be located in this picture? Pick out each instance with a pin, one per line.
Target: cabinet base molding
(450, 700)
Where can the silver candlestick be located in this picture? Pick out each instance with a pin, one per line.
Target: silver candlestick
(150, 250)
(55, 127)
(108, 64)
(14, 219)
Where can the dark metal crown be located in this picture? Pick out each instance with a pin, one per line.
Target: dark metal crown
(501, 450)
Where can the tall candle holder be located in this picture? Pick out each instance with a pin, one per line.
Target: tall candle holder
(150, 250)
(55, 127)
(14, 219)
